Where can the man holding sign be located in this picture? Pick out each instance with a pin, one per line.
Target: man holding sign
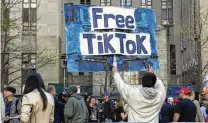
(144, 102)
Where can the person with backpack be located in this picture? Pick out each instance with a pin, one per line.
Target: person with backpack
(12, 106)
(75, 110)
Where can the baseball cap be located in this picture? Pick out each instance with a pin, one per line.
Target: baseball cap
(184, 90)
(72, 88)
(170, 99)
(106, 94)
(175, 100)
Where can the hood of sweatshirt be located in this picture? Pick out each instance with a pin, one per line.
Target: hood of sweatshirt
(76, 95)
(148, 93)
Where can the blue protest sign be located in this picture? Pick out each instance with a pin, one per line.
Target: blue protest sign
(91, 42)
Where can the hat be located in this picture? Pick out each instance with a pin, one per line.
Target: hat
(11, 89)
(170, 99)
(64, 93)
(175, 100)
(106, 94)
(185, 91)
(72, 88)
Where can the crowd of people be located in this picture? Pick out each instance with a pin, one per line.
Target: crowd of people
(145, 103)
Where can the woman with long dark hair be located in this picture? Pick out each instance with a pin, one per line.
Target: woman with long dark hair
(37, 105)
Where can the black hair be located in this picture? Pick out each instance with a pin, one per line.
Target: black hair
(11, 89)
(33, 82)
(91, 97)
(60, 96)
(197, 96)
(41, 81)
(166, 100)
(149, 80)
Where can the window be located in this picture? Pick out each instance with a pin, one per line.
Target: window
(25, 15)
(126, 2)
(167, 11)
(105, 2)
(81, 73)
(82, 1)
(172, 60)
(85, 1)
(28, 65)
(29, 15)
(147, 3)
(33, 14)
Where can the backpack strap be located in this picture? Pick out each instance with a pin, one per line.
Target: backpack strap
(16, 104)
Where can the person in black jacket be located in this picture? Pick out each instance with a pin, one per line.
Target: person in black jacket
(119, 114)
(107, 108)
(167, 111)
(62, 97)
(93, 110)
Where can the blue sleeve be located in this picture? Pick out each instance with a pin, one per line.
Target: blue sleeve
(58, 103)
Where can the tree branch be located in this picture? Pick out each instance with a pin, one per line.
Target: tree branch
(14, 71)
(14, 80)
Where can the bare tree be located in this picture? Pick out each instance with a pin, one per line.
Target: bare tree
(15, 41)
(195, 33)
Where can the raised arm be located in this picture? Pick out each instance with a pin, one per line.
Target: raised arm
(159, 85)
(122, 87)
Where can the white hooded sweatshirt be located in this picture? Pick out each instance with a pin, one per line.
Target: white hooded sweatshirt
(2, 108)
(144, 104)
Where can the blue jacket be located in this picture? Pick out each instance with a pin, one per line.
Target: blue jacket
(59, 111)
(167, 113)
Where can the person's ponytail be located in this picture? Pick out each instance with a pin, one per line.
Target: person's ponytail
(44, 99)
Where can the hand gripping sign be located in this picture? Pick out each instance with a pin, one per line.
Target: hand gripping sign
(94, 35)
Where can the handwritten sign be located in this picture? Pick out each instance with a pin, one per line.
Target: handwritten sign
(112, 18)
(115, 43)
(94, 34)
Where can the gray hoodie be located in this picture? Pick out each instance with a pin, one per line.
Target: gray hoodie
(75, 110)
